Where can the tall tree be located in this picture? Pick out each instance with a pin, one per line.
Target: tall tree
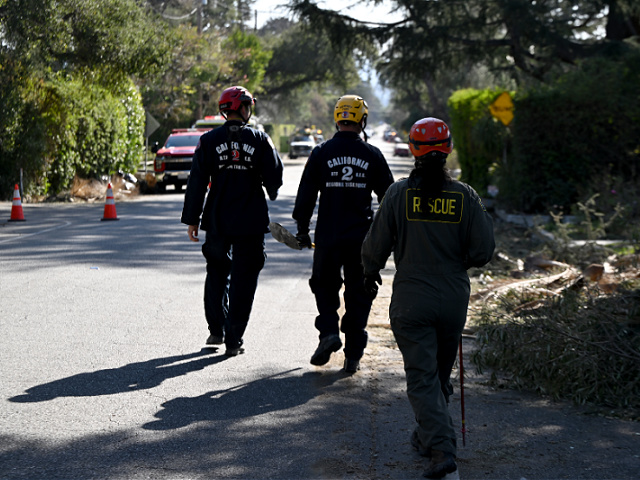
(67, 103)
(111, 38)
(202, 65)
(221, 15)
(305, 75)
(301, 57)
(526, 39)
(212, 49)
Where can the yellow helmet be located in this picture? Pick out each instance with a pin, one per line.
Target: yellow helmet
(351, 108)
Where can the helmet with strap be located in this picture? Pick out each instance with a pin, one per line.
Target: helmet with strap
(429, 135)
(351, 108)
(233, 98)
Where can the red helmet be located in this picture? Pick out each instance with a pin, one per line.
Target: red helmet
(430, 135)
(234, 97)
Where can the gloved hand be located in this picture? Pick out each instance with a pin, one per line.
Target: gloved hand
(370, 281)
(304, 240)
(273, 194)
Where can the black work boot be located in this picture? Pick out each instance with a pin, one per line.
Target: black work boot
(328, 345)
(351, 366)
(234, 350)
(441, 464)
(215, 340)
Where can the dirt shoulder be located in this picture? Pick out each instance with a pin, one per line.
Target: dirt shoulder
(510, 434)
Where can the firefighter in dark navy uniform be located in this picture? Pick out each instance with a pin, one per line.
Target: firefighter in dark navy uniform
(437, 228)
(238, 161)
(345, 171)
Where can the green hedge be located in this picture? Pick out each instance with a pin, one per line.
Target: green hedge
(95, 131)
(22, 135)
(70, 126)
(577, 137)
(477, 137)
(569, 139)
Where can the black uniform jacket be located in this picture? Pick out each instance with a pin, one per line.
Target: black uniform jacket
(237, 170)
(345, 170)
(445, 235)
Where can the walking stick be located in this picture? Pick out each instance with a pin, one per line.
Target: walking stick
(464, 428)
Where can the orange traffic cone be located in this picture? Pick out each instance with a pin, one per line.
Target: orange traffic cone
(110, 206)
(17, 215)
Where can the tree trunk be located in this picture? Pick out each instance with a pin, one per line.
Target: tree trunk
(439, 108)
(620, 26)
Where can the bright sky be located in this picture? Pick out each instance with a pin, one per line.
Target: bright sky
(354, 8)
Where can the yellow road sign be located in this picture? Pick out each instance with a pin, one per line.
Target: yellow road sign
(502, 108)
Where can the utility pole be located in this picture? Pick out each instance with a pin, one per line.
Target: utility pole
(239, 15)
(200, 3)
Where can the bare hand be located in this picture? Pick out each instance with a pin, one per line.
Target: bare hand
(193, 233)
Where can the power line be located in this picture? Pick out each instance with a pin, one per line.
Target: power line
(169, 17)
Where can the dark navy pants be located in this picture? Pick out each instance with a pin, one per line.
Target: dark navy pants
(326, 282)
(233, 267)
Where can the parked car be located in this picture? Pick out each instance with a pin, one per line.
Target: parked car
(173, 160)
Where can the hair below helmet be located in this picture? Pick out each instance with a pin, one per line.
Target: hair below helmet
(430, 135)
(350, 108)
(234, 97)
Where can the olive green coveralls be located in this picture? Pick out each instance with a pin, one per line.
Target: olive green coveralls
(433, 246)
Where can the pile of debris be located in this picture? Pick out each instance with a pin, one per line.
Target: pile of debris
(562, 330)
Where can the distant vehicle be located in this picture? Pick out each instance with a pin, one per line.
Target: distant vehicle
(401, 149)
(215, 121)
(301, 146)
(173, 160)
(209, 122)
(304, 140)
(389, 135)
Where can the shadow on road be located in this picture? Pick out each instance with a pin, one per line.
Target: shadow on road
(148, 236)
(131, 377)
(261, 429)
(276, 392)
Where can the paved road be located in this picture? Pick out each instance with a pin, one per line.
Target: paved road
(104, 375)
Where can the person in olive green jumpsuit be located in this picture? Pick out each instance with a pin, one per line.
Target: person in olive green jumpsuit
(437, 228)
